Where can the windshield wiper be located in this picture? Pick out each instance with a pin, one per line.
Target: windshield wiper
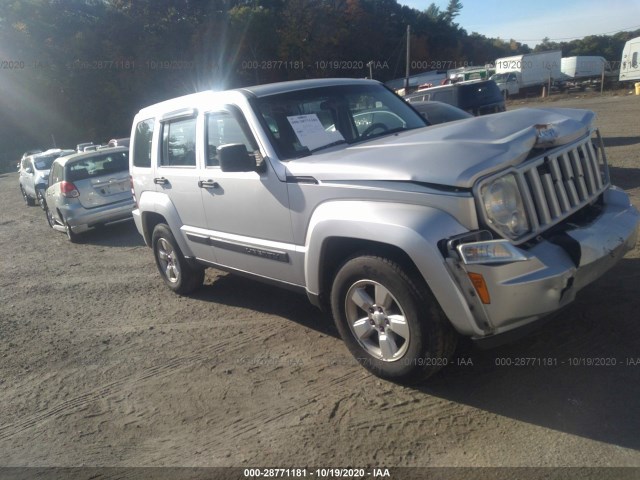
(332, 144)
(395, 130)
(386, 132)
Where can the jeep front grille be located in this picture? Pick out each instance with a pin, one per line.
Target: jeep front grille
(562, 181)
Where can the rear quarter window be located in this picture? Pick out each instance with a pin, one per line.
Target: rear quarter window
(142, 143)
(55, 175)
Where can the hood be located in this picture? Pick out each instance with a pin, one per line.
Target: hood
(455, 154)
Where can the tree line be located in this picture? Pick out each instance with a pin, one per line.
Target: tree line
(78, 70)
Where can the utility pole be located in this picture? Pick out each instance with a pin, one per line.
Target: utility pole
(406, 78)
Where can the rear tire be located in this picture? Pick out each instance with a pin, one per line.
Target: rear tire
(73, 237)
(391, 323)
(176, 272)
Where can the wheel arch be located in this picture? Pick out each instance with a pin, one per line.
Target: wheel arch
(408, 234)
(149, 222)
(157, 208)
(337, 250)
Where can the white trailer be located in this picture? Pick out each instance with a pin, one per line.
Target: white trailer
(527, 72)
(630, 63)
(583, 66)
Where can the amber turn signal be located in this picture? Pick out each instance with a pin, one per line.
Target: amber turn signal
(480, 286)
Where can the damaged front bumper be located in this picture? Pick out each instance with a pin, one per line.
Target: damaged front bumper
(548, 272)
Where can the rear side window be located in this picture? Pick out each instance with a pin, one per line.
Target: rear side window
(97, 166)
(142, 143)
(445, 96)
(417, 98)
(179, 143)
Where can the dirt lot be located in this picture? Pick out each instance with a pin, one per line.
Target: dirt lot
(100, 365)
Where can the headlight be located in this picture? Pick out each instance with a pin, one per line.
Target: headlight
(492, 251)
(503, 206)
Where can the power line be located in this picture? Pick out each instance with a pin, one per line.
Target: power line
(579, 36)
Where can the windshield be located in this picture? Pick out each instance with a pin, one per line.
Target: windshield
(44, 163)
(305, 121)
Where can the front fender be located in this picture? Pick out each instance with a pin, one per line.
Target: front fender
(415, 229)
(158, 203)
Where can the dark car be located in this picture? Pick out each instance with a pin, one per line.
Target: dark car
(438, 112)
(478, 97)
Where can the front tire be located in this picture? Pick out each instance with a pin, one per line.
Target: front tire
(50, 220)
(176, 272)
(30, 202)
(40, 197)
(391, 323)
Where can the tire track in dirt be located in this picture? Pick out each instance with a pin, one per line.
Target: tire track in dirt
(78, 403)
(153, 373)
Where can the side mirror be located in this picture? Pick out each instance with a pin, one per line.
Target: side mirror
(235, 158)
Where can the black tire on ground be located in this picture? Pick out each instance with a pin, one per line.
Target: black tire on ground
(48, 215)
(27, 199)
(177, 273)
(391, 323)
(73, 237)
(40, 197)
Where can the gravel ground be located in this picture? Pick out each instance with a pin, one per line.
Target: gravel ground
(100, 365)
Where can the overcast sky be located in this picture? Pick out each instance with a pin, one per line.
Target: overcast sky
(530, 22)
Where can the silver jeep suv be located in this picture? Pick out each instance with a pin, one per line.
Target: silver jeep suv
(411, 234)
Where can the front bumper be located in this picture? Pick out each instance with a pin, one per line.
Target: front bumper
(526, 291)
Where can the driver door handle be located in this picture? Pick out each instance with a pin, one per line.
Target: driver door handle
(208, 184)
(160, 181)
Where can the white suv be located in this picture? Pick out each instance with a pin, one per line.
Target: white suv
(411, 234)
(34, 174)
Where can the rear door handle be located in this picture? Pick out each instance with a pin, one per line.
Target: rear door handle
(160, 181)
(208, 184)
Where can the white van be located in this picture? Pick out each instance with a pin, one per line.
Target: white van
(630, 63)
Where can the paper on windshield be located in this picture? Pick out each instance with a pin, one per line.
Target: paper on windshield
(311, 133)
